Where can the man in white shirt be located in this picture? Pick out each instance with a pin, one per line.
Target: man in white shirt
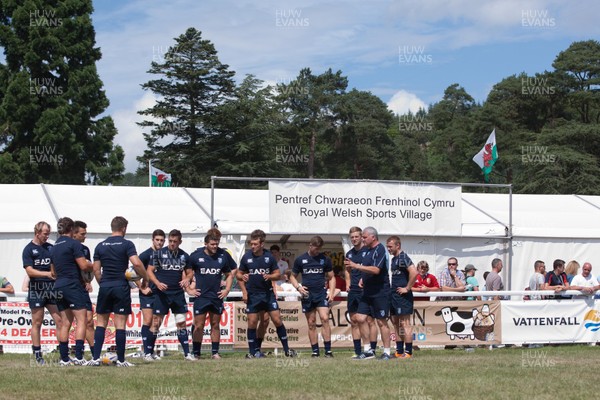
(536, 282)
(585, 282)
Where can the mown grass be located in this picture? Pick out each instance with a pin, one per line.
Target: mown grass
(562, 372)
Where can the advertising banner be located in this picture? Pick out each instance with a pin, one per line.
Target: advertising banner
(15, 326)
(542, 321)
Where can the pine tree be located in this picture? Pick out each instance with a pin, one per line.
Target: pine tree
(193, 84)
(52, 96)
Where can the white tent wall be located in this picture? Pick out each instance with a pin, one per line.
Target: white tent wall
(544, 227)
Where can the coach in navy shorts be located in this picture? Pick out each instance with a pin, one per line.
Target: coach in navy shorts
(375, 300)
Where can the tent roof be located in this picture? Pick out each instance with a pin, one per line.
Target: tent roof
(239, 211)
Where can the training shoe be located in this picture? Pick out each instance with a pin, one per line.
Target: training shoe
(315, 354)
(291, 353)
(156, 357)
(398, 355)
(405, 356)
(365, 356)
(79, 361)
(189, 357)
(65, 363)
(328, 354)
(248, 356)
(216, 356)
(40, 361)
(258, 354)
(94, 363)
(385, 357)
(125, 364)
(148, 357)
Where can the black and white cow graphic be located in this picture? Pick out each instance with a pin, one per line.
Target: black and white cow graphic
(459, 324)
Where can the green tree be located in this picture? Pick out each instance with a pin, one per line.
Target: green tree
(249, 140)
(311, 106)
(193, 84)
(578, 73)
(52, 97)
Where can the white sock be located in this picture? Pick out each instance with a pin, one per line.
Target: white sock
(386, 350)
(367, 348)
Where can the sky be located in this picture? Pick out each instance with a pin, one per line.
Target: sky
(405, 52)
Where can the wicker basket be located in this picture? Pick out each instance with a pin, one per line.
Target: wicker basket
(481, 332)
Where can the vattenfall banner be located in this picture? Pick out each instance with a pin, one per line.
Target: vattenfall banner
(542, 321)
(392, 208)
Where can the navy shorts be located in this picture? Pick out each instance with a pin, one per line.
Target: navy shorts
(41, 294)
(147, 301)
(258, 302)
(353, 301)
(376, 306)
(203, 305)
(88, 304)
(314, 300)
(170, 300)
(115, 299)
(71, 296)
(401, 304)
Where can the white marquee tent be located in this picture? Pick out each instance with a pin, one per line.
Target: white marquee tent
(544, 227)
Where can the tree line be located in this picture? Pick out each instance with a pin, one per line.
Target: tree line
(205, 122)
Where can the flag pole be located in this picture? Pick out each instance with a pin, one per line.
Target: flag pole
(149, 173)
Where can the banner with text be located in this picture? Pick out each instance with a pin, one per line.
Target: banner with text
(541, 321)
(434, 323)
(392, 208)
(15, 326)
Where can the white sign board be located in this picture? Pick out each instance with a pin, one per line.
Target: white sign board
(392, 208)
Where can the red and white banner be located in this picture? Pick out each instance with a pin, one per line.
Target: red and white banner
(15, 326)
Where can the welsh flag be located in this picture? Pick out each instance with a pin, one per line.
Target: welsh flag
(159, 178)
(487, 157)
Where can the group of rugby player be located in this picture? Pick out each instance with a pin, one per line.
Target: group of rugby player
(60, 277)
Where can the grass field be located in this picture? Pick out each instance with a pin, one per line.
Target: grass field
(562, 372)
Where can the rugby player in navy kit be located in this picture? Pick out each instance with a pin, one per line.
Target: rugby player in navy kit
(404, 275)
(375, 300)
(170, 273)
(209, 267)
(111, 259)
(80, 234)
(316, 270)
(146, 293)
(36, 261)
(68, 260)
(257, 290)
(368, 332)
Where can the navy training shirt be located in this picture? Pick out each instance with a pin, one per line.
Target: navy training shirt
(64, 253)
(113, 254)
(373, 284)
(38, 257)
(356, 256)
(313, 270)
(255, 266)
(208, 271)
(400, 264)
(169, 266)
